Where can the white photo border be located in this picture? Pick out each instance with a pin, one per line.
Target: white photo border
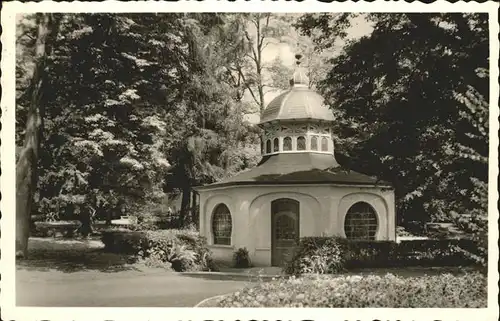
(7, 179)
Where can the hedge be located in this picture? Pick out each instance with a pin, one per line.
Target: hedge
(332, 254)
(180, 250)
(353, 291)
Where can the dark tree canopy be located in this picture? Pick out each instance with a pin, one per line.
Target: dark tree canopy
(411, 103)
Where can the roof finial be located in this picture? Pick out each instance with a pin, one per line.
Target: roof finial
(298, 58)
(299, 76)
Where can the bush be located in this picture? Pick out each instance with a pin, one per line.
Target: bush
(321, 255)
(241, 258)
(121, 240)
(326, 255)
(183, 250)
(352, 291)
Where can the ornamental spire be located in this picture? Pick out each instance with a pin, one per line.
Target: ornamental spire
(299, 78)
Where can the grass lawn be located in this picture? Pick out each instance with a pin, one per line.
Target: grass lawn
(72, 273)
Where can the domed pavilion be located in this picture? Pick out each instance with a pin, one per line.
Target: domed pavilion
(298, 189)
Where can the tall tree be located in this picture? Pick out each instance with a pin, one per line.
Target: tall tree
(210, 145)
(252, 34)
(27, 164)
(410, 99)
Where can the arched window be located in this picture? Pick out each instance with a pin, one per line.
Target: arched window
(314, 143)
(268, 146)
(361, 222)
(301, 143)
(287, 143)
(276, 145)
(221, 225)
(324, 144)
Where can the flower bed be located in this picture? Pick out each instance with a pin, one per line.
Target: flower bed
(354, 291)
(180, 250)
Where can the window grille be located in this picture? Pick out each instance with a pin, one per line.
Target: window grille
(361, 222)
(276, 145)
(287, 143)
(301, 143)
(324, 144)
(314, 143)
(221, 225)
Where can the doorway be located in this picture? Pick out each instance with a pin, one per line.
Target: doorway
(284, 230)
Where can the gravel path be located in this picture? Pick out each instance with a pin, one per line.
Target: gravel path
(71, 273)
(154, 288)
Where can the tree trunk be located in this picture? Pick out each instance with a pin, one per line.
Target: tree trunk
(26, 167)
(194, 208)
(186, 198)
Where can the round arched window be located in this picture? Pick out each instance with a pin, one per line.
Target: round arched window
(324, 144)
(287, 143)
(314, 143)
(361, 222)
(301, 143)
(276, 145)
(268, 146)
(221, 225)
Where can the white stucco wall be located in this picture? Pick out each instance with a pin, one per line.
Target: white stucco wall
(322, 212)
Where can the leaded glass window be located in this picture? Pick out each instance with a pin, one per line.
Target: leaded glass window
(285, 228)
(314, 143)
(361, 222)
(301, 143)
(287, 143)
(324, 144)
(276, 145)
(222, 225)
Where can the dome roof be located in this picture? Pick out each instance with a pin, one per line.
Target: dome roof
(299, 102)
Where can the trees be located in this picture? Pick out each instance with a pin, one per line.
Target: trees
(143, 93)
(26, 167)
(251, 34)
(104, 131)
(410, 100)
(214, 142)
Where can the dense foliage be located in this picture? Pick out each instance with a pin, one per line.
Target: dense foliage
(329, 255)
(179, 250)
(130, 107)
(411, 104)
(241, 258)
(435, 291)
(134, 107)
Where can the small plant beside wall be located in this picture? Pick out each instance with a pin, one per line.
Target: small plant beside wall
(241, 258)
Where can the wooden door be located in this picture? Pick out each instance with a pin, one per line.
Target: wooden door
(284, 230)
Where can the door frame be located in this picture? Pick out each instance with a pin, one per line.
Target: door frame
(272, 216)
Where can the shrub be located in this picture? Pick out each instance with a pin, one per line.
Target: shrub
(326, 255)
(122, 240)
(317, 255)
(183, 250)
(353, 291)
(241, 258)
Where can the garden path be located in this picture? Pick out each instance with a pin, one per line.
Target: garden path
(75, 273)
(154, 288)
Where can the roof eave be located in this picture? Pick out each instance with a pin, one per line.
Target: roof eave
(293, 120)
(270, 183)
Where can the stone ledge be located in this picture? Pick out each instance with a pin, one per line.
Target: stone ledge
(232, 276)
